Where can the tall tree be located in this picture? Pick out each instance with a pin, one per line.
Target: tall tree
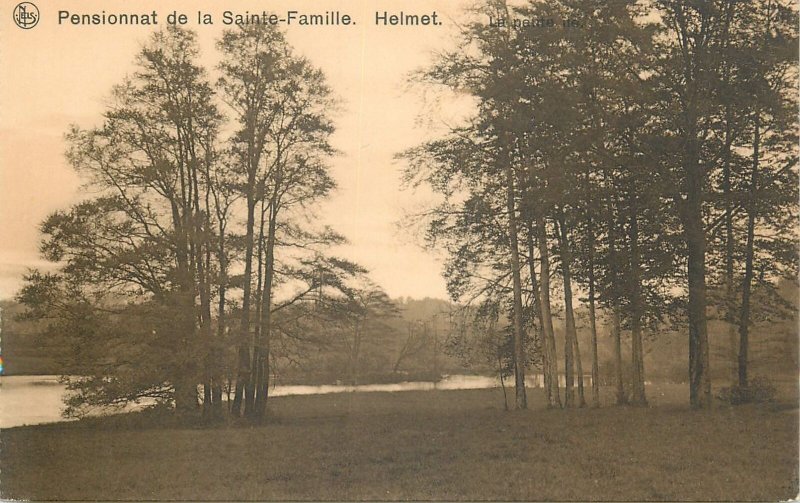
(693, 33)
(281, 105)
(143, 235)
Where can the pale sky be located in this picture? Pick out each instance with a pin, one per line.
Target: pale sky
(53, 76)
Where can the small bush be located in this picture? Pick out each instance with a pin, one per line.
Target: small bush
(759, 390)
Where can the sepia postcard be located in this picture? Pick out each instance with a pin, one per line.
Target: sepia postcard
(399, 250)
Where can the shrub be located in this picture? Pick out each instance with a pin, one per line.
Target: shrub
(759, 390)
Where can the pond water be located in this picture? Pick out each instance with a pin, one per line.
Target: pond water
(30, 400)
(38, 399)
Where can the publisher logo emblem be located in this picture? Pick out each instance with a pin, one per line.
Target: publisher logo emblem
(26, 15)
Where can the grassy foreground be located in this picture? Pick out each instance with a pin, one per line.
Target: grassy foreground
(451, 445)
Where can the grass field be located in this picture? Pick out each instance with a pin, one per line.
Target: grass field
(443, 445)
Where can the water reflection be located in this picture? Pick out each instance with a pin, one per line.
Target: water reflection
(30, 400)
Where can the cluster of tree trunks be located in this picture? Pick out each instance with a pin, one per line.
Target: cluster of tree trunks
(627, 177)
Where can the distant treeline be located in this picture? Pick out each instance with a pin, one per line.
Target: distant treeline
(424, 343)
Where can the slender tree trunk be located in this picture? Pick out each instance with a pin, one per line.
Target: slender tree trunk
(744, 323)
(217, 345)
(214, 342)
(616, 331)
(255, 377)
(211, 342)
(266, 317)
(208, 342)
(694, 62)
(502, 381)
(579, 371)
(593, 318)
(730, 293)
(222, 259)
(202, 255)
(567, 261)
(243, 376)
(637, 353)
(699, 379)
(547, 318)
(221, 322)
(537, 312)
(184, 220)
(521, 400)
(569, 316)
(622, 399)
